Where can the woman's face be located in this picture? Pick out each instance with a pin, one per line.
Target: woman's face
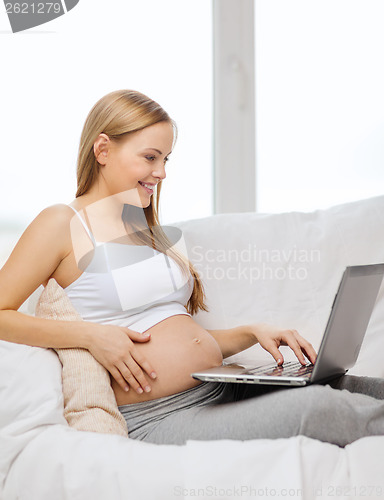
(131, 169)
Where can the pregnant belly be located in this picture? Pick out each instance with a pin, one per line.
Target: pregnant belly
(178, 347)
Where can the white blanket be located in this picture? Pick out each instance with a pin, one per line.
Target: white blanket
(283, 269)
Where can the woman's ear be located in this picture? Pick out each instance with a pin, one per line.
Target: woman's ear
(101, 148)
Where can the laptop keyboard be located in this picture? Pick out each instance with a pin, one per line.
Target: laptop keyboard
(288, 369)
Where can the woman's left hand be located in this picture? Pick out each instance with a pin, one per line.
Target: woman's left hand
(270, 338)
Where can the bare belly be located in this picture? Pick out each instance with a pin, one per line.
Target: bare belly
(178, 347)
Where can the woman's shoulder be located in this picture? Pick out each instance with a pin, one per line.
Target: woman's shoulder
(57, 214)
(52, 222)
(57, 210)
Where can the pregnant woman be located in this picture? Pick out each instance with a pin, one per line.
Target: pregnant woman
(137, 292)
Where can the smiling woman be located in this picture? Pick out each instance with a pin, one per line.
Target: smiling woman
(101, 258)
(136, 293)
(130, 156)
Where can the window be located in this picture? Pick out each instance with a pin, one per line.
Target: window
(53, 74)
(319, 102)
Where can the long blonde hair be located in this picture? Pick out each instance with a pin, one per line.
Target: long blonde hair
(116, 115)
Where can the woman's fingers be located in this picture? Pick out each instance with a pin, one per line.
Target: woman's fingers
(115, 350)
(309, 351)
(119, 378)
(129, 374)
(294, 345)
(133, 374)
(306, 347)
(270, 338)
(310, 354)
(142, 361)
(299, 346)
(137, 336)
(274, 351)
(132, 370)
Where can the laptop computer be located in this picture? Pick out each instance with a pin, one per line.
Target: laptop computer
(340, 345)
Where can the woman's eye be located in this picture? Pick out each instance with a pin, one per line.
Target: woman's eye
(152, 158)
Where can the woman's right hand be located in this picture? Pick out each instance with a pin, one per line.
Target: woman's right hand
(114, 347)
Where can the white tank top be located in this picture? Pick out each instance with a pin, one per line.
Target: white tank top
(129, 285)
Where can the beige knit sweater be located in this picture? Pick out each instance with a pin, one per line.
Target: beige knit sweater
(89, 401)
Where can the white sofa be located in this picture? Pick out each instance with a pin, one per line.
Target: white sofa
(283, 269)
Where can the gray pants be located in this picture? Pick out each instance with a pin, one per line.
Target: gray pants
(340, 412)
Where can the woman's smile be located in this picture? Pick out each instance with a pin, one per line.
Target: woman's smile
(149, 188)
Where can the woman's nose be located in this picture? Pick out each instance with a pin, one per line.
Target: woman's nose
(159, 171)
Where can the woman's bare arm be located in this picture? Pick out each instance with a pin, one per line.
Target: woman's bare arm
(41, 248)
(37, 254)
(234, 340)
